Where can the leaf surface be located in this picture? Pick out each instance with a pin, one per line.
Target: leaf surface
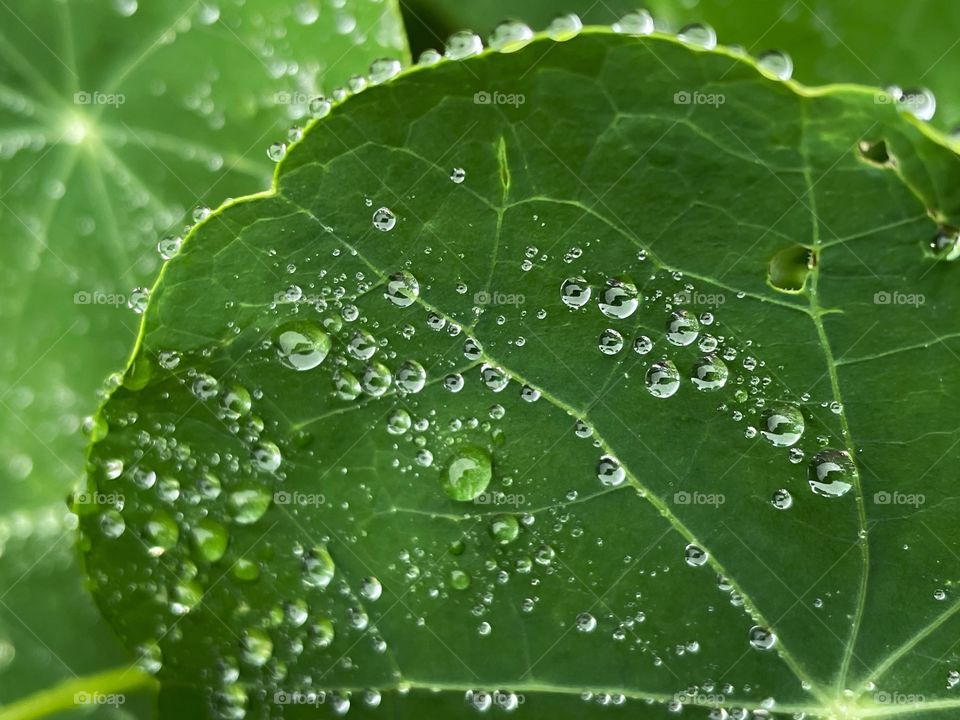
(115, 120)
(294, 470)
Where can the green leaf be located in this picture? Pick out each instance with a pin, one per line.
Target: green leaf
(115, 120)
(471, 274)
(829, 41)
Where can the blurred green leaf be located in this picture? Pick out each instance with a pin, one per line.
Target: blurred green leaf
(490, 291)
(116, 120)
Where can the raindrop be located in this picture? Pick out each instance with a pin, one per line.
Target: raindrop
(565, 27)
(384, 219)
(610, 342)
(635, 23)
(761, 638)
(682, 327)
(699, 34)
(402, 289)
(776, 63)
(619, 299)
(782, 499)
(468, 474)
(695, 555)
(301, 345)
(782, 424)
(276, 151)
(586, 622)
(663, 379)
(383, 69)
(610, 472)
(709, 373)
(462, 45)
(575, 292)
(510, 36)
(832, 473)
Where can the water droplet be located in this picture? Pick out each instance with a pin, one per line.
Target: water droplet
(301, 345)
(565, 27)
(429, 57)
(235, 402)
(586, 622)
(371, 589)
(709, 373)
(320, 107)
(695, 556)
(663, 379)
(698, 34)
(610, 472)
(249, 504)
(610, 342)
(682, 327)
(210, 539)
(458, 175)
(384, 219)
(619, 299)
(782, 499)
(510, 36)
(383, 69)
(494, 378)
(761, 638)
(318, 568)
(276, 151)
(376, 379)
(832, 473)
(505, 529)
(346, 386)
(635, 23)
(266, 456)
(776, 63)
(459, 580)
(402, 289)
(575, 292)
(411, 377)
(257, 647)
(168, 247)
(112, 524)
(919, 102)
(462, 45)
(162, 531)
(642, 345)
(782, 424)
(138, 300)
(468, 474)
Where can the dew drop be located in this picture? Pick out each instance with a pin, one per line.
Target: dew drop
(402, 289)
(510, 36)
(301, 345)
(619, 299)
(782, 499)
(698, 34)
(682, 327)
(610, 342)
(575, 292)
(384, 219)
(463, 44)
(383, 69)
(639, 22)
(782, 424)
(776, 63)
(468, 474)
(663, 379)
(695, 556)
(565, 27)
(761, 638)
(709, 373)
(610, 472)
(832, 473)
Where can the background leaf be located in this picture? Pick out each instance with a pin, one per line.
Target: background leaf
(115, 119)
(628, 544)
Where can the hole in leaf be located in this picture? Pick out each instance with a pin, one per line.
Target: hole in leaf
(789, 268)
(876, 153)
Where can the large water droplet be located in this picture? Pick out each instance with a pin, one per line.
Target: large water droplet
(510, 36)
(776, 63)
(575, 292)
(698, 34)
(462, 45)
(639, 22)
(761, 638)
(709, 373)
(682, 327)
(619, 299)
(663, 379)
(384, 219)
(694, 555)
(301, 345)
(565, 27)
(468, 474)
(610, 472)
(782, 424)
(402, 289)
(832, 473)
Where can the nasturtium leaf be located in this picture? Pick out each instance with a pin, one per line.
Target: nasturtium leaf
(829, 41)
(117, 118)
(671, 542)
